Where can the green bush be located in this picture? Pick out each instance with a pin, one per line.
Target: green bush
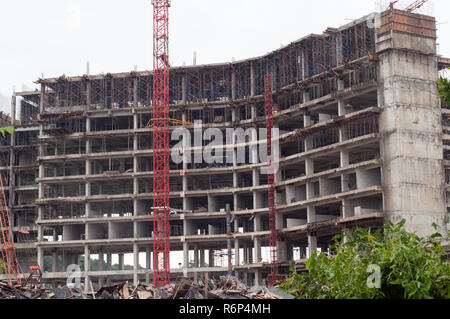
(410, 267)
(444, 89)
(2, 266)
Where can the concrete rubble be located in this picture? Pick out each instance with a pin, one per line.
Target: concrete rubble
(221, 288)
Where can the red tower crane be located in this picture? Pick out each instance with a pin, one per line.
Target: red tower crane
(271, 181)
(161, 200)
(13, 270)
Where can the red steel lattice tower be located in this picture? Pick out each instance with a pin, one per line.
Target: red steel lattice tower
(161, 210)
(9, 257)
(271, 181)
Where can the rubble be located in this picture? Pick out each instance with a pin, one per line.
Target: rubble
(221, 288)
(21, 292)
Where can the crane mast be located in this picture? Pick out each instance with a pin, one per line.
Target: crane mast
(412, 7)
(12, 267)
(416, 5)
(161, 210)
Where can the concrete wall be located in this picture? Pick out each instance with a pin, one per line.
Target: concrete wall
(410, 127)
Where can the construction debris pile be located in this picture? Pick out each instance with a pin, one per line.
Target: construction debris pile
(21, 292)
(221, 288)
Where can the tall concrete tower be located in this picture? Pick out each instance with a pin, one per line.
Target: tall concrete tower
(410, 124)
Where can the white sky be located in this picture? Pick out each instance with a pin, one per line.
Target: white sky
(55, 37)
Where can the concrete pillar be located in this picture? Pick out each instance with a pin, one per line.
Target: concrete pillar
(13, 109)
(246, 261)
(252, 83)
(312, 244)
(257, 223)
(411, 125)
(211, 258)
(257, 247)
(196, 261)
(86, 268)
(202, 258)
(311, 214)
(54, 261)
(237, 258)
(185, 255)
(233, 85)
(63, 261)
(135, 263)
(121, 262)
(258, 278)
(108, 261)
(40, 258)
(183, 89)
(101, 261)
(148, 259)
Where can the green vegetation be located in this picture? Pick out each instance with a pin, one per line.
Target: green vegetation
(444, 89)
(2, 266)
(409, 267)
(7, 129)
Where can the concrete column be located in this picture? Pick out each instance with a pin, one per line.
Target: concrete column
(246, 260)
(40, 258)
(63, 261)
(233, 86)
(257, 223)
(148, 259)
(121, 262)
(252, 83)
(212, 204)
(101, 261)
(257, 247)
(185, 255)
(211, 258)
(312, 244)
(196, 262)
(13, 108)
(86, 268)
(54, 261)
(255, 177)
(183, 89)
(311, 214)
(202, 258)
(237, 257)
(108, 261)
(135, 263)
(258, 278)
(135, 93)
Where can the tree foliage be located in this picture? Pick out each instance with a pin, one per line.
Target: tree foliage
(410, 267)
(444, 89)
(2, 266)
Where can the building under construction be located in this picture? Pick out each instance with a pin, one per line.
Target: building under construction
(363, 137)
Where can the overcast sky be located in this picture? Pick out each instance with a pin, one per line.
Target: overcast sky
(55, 37)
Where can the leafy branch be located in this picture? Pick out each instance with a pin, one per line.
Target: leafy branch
(410, 267)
